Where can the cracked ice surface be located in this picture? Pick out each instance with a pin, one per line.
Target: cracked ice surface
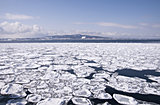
(65, 73)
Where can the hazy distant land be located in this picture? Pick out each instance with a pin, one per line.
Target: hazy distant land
(77, 38)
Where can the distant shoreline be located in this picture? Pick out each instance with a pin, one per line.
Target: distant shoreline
(85, 41)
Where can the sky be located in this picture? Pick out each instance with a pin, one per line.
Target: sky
(109, 18)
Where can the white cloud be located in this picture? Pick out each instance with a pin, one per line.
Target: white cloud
(20, 30)
(156, 26)
(150, 25)
(143, 24)
(109, 24)
(79, 23)
(117, 25)
(10, 16)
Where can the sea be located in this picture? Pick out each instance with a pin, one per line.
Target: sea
(112, 73)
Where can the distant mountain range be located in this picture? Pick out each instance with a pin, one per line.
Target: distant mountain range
(58, 37)
(76, 38)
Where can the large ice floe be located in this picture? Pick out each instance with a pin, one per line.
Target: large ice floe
(126, 100)
(79, 74)
(127, 84)
(15, 90)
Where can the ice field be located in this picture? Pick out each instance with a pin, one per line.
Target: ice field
(79, 74)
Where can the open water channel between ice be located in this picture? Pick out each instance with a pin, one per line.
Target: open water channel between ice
(79, 74)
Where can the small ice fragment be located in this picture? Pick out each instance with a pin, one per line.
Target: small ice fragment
(42, 84)
(6, 71)
(32, 90)
(103, 96)
(66, 90)
(82, 92)
(33, 98)
(1, 84)
(106, 103)
(22, 79)
(154, 78)
(92, 64)
(4, 67)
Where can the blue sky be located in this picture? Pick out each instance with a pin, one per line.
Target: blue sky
(115, 18)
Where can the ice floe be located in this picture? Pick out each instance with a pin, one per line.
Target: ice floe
(9, 78)
(106, 103)
(126, 100)
(81, 101)
(46, 95)
(33, 98)
(51, 101)
(32, 90)
(102, 75)
(83, 71)
(92, 64)
(61, 72)
(82, 92)
(7, 71)
(22, 79)
(127, 84)
(1, 84)
(61, 67)
(103, 96)
(97, 89)
(15, 90)
(4, 67)
(154, 78)
(42, 84)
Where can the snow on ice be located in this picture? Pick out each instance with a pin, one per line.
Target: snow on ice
(60, 73)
